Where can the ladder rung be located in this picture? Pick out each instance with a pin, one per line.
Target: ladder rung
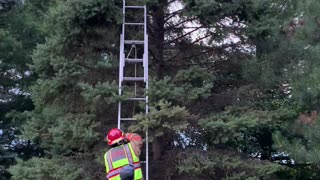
(134, 60)
(135, 7)
(143, 162)
(137, 99)
(133, 42)
(133, 78)
(137, 24)
(128, 119)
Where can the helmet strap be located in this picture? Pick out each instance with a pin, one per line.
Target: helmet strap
(122, 142)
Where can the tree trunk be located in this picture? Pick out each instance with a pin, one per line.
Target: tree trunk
(158, 145)
(157, 49)
(157, 38)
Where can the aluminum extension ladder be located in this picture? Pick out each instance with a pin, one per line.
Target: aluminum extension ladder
(128, 57)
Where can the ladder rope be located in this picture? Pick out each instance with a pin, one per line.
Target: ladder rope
(135, 83)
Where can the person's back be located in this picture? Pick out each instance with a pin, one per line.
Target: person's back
(122, 160)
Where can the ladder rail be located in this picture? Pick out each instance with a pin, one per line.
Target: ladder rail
(145, 68)
(121, 61)
(144, 61)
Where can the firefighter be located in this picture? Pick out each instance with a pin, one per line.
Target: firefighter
(122, 160)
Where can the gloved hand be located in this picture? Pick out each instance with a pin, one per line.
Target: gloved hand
(133, 136)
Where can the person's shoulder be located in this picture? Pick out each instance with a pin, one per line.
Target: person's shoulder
(109, 150)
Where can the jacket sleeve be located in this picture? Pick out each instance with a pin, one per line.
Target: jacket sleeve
(136, 142)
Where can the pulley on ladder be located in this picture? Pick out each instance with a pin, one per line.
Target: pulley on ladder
(126, 58)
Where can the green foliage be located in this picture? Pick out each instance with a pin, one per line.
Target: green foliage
(186, 87)
(196, 83)
(288, 62)
(9, 46)
(101, 94)
(223, 165)
(208, 11)
(38, 123)
(64, 123)
(48, 61)
(60, 132)
(9, 67)
(300, 142)
(299, 172)
(162, 117)
(271, 68)
(19, 35)
(73, 132)
(262, 71)
(305, 79)
(43, 168)
(235, 125)
(89, 20)
(163, 89)
(74, 13)
(248, 130)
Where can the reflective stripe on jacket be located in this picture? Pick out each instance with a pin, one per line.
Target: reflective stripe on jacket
(118, 157)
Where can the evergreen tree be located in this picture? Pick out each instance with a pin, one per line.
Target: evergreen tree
(298, 139)
(73, 67)
(216, 97)
(19, 35)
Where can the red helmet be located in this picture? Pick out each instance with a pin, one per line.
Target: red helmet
(115, 135)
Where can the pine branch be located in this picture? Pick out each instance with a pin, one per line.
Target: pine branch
(173, 14)
(184, 35)
(180, 23)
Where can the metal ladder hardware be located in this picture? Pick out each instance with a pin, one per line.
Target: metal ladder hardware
(128, 119)
(135, 7)
(136, 99)
(133, 42)
(134, 24)
(135, 58)
(129, 60)
(133, 78)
